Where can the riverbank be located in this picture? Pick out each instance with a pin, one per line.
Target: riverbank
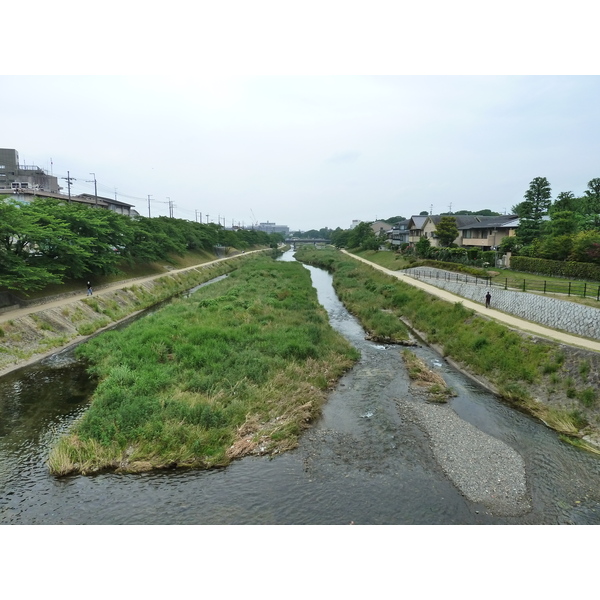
(28, 335)
(555, 382)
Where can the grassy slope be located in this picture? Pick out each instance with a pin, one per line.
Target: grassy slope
(241, 366)
(192, 257)
(531, 374)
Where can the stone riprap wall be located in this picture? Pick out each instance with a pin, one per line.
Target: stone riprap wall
(551, 312)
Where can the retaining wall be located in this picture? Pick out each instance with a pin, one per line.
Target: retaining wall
(551, 312)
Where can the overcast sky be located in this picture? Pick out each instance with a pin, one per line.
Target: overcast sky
(297, 146)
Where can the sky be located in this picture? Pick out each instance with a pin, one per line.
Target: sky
(307, 151)
(312, 130)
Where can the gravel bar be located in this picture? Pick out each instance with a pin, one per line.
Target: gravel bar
(482, 467)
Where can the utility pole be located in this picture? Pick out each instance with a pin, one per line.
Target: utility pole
(69, 179)
(149, 216)
(170, 207)
(96, 188)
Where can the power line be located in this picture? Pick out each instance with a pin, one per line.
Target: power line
(69, 179)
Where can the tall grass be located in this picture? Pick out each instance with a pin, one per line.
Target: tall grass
(241, 366)
(513, 363)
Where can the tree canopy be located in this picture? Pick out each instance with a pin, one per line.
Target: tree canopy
(47, 241)
(446, 230)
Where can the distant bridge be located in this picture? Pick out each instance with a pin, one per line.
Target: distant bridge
(298, 241)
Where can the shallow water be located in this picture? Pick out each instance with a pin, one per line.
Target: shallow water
(362, 462)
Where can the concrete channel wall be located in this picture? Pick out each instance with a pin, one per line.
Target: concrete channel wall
(558, 314)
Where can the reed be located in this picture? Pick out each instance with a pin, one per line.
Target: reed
(241, 366)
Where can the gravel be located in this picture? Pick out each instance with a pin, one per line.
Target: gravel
(483, 468)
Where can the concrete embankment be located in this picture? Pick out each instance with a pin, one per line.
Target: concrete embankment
(529, 323)
(554, 313)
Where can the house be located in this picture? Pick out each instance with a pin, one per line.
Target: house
(380, 227)
(475, 231)
(485, 233)
(415, 228)
(399, 232)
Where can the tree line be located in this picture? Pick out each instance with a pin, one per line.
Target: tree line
(566, 228)
(48, 241)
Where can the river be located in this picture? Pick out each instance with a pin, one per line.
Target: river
(364, 462)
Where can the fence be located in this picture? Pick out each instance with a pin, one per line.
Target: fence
(583, 289)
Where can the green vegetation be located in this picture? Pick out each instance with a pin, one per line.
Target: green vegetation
(424, 378)
(242, 366)
(388, 260)
(557, 268)
(49, 241)
(514, 364)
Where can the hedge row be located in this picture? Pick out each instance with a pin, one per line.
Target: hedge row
(556, 268)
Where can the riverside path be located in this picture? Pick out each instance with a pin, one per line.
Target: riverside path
(508, 320)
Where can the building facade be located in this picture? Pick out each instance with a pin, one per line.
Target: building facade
(273, 228)
(14, 176)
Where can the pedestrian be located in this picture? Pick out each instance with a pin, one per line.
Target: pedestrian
(89, 289)
(488, 299)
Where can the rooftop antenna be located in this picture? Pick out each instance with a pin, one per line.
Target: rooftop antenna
(431, 209)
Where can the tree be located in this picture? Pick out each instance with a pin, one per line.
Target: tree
(486, 212)
(562, 222)
(555, 247)
(565, 201)
(446, 230)
(423, 247)
(363, 237)
(18, 235)
(592, 201)
(510, 243)
(533, 209)
(339, 237)
(519, 209)
(586, 247)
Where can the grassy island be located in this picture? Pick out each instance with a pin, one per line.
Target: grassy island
(239, 367)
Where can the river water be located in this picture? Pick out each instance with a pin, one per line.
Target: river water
(364, 461)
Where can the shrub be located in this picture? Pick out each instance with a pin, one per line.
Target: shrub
(556, 268)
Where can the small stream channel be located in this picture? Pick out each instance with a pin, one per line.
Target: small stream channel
(364, 461)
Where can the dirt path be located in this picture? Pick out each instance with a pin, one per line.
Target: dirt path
(509, 320)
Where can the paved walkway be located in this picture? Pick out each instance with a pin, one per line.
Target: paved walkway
(509, 320)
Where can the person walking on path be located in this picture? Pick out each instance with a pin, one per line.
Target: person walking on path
(488, 299)
(89, 289)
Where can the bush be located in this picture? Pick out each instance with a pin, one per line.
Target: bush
(556, 268)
